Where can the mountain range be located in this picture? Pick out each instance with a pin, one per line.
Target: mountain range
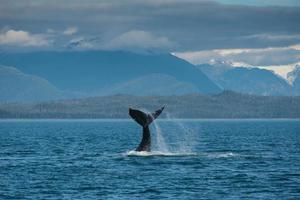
(249, 80)
(94, 73)
(52, 75)
(15, 85)
(295, 77)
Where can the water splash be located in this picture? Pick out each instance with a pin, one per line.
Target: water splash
(160, 141)
(160, 145)
(186, 136)
(210, 155)
(157, 153)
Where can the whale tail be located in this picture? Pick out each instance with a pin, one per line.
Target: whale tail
(142, 118)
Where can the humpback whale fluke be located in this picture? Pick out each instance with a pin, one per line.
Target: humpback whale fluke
(144, 119)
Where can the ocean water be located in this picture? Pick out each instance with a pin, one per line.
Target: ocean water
(191, 159)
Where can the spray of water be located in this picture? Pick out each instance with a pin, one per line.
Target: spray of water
(160, 146)
(186, 136)
(185, 140)
(160, 141)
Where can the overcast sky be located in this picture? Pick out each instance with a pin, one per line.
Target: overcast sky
(270, 27)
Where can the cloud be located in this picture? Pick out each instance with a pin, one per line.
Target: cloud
(134, 40)
(81, 43)
(50, 31)
(283, 70)
(278, 60)
(255, 57)
(263, 3)
(189, 23)
(70, 31)
(137, 39)
(296, 47)
(281, 60)
(22, 38)
(272, 37)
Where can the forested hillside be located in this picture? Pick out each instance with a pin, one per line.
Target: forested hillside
(224, 105)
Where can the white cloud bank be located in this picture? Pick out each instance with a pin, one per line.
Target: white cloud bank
(138, 39)
(273, 37)
(261, 56)
(134, 40)
(70, 31)
(22, 38)
(281, 60)
(81, 43)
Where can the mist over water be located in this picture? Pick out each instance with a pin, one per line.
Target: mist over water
(160, 144)
(203, 159)
(181, 137)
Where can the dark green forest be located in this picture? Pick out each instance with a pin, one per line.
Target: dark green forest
(225, 105)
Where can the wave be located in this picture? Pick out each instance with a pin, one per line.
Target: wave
(220, 154)
(158, 153)
(162, 153)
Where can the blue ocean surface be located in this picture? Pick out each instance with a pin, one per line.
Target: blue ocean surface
(191, 159)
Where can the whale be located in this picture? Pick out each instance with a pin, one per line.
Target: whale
(144, 119)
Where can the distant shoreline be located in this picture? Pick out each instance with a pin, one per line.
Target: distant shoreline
(162, 120)
(227, 105)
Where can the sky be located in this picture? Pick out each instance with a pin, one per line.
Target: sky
(262, 2)
(253, 32)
